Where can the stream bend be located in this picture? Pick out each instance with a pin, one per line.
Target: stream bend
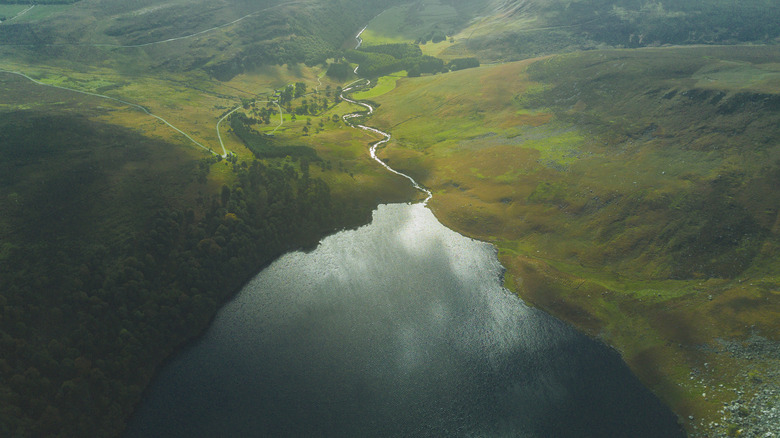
(362, 83)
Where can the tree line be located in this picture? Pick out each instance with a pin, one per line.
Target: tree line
(264, 146)
(384, 59)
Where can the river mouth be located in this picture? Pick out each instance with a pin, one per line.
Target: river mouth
(398, 328)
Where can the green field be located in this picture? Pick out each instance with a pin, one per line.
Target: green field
(384, 85)
(9, 11)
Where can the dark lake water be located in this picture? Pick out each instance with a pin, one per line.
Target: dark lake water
(398, 329)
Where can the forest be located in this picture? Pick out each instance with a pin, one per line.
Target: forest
(388, 58)
(264, 146)
(105, 280)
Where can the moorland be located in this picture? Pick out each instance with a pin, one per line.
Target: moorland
(632, 224)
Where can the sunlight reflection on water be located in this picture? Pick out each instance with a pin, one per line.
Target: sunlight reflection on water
(399, 328)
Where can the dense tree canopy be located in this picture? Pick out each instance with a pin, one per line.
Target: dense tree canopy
(93, 297)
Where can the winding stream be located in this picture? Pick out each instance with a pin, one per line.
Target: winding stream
(124, 102)
(361, 83)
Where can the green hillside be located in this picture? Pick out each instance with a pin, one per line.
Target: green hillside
(511, 30)
(632, 193)
(223, 38)
(116, 248)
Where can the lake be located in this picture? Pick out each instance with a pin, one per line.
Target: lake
(400, 328)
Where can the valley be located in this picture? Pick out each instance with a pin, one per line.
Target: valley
(157, 155)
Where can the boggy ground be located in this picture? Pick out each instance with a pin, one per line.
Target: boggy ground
(631, 193)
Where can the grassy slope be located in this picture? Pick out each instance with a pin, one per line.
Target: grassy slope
(520, 29)
(39, 12)
(80, 175)
(93, 173)
(221, 37)
(410, 22)
(384, 85)
(10, 11)
(654, 230)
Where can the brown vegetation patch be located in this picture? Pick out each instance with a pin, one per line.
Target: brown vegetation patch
(504, 80)
(500, 160)
(549, 289)
(743, 309)
(652, 365)
(513, 120)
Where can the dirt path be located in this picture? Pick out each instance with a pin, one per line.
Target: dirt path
(19, 14)
(102, 96)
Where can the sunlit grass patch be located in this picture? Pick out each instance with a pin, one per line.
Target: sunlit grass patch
(409, 22)
(438, 49)
(384, 28)
(730, 75)
(429, 24)
(373, 37)
(559, 149)
(384, 85)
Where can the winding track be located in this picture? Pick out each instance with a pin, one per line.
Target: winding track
(219, 135)
(362, 83)
(184, 37)
(19, 14)
(145, 110)
(134, 105)
(281, 115)
(281, 121)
